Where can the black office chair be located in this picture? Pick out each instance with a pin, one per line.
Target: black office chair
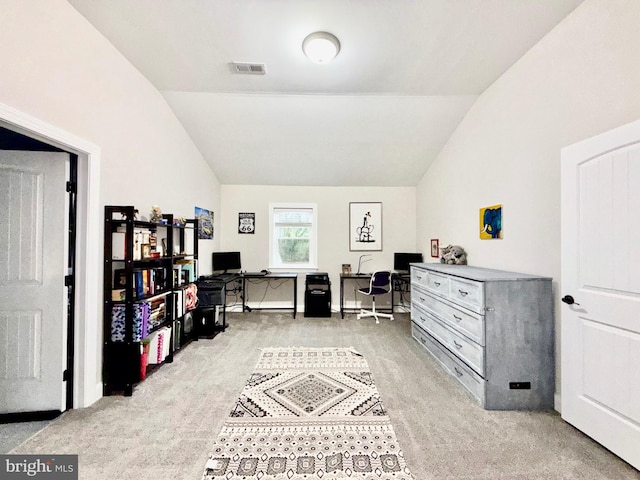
(379, 285)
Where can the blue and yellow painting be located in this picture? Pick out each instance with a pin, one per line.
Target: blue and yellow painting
(491, 222)
(205, 223)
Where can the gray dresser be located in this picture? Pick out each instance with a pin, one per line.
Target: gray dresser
(491, 330)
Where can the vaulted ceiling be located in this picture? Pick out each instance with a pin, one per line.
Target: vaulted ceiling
(407, 73)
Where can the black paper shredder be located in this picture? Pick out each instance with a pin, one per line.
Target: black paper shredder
(317, 295)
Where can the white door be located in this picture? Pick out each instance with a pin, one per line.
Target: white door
(33, 241)
(600, 334)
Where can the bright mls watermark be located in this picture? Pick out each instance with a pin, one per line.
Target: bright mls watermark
(51, 467)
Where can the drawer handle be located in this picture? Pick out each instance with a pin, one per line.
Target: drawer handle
(458, 346)
(463, 293)
(458, 372)
(422, 299)
(458, 319)
(437, 284)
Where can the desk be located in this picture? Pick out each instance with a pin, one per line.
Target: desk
(277, 276)
(398, 280)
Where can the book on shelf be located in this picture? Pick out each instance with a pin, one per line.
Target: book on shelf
(177, 334)
(178, 303)
(188, 269)
(145, 282)
(139, 284)
(177, 275)
(120, 282)
(141, 317)
(190, 297)
(146, 316)
(159, 279)
(159, 345)
(151, 280)
(158, 311)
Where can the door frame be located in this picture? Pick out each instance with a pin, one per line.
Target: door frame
(87, 346)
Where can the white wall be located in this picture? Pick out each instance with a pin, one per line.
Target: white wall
(56, 68)
(580, 80)
(398, 216)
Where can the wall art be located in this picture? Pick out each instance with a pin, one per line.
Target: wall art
(365, 226)
(435, 251)
(205, 223)
(491, 222)
(246, 223)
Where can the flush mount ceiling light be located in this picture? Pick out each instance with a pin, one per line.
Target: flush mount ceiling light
(321, 47)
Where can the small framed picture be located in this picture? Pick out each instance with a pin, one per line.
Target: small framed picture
(247, 223)
(435, 251)
(346, 269)
(491, 222)
(205, 223)
(146, 250)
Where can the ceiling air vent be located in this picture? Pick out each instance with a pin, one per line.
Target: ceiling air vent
(249, 68)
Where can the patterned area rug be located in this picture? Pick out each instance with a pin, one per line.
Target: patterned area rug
(308, 413)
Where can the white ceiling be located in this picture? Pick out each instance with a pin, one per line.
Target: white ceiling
(407, 73)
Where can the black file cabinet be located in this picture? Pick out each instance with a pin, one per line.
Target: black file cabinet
(317, 295)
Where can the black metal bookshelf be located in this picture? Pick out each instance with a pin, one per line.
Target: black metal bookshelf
(141, 291)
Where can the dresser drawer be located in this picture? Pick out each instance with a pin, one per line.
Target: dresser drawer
(419, 315)
(438, 284)
(419, 295)
(469, 323)
(469, 352)
(418, 277)
(467, 293)
(457, 369)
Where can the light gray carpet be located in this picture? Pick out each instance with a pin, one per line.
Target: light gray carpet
(165, 430)
(13, 434)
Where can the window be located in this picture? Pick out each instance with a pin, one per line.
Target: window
(293, 236)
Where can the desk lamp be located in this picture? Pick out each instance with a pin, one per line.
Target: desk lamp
(360, 262)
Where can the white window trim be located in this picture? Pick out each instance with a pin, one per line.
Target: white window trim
(313, 241)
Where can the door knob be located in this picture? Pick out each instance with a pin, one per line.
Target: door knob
(568, 299)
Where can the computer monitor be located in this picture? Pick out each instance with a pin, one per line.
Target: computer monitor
(401, 261)
(225, 261)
